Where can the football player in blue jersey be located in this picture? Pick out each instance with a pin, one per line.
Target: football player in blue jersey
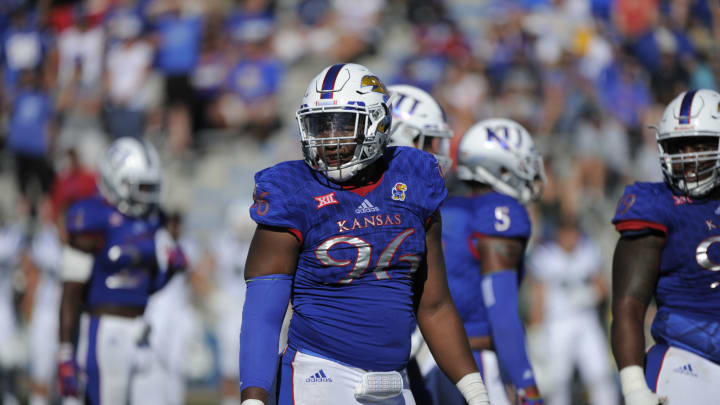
(117, 254)
(352, 234)
(668, 250)
(485, 233)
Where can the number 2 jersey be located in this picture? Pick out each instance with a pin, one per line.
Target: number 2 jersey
(352, 291)
(465, 219)
(688, 288)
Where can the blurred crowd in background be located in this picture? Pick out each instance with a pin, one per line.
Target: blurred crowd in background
(215, 83)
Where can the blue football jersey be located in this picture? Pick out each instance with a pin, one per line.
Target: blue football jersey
(465, 219)
(688, 289)
(353, 288)
(109, 285)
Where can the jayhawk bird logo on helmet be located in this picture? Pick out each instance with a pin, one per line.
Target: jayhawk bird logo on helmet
(374, 81)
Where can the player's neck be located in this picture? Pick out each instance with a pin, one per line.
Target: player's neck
(479, 188)
(714, 194)
(367, 176)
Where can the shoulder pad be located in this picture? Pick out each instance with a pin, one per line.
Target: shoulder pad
(645, 206)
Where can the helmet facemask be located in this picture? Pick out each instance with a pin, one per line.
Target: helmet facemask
(525, 183)
(133, 198)
(690, 162)
(341, 141)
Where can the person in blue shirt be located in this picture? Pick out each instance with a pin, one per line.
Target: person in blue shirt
(351, 235)
(668, 251)
(178, 39)
(31, 134)
(118, 253)
(23, 46)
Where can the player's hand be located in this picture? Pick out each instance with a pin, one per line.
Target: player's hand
(67, 372)
(176, 259)
(169, 254)
(641, 397)
(635, 390)
(530, 396)
(530, 400)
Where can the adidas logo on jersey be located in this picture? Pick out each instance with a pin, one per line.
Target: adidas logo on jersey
(686, 369)
(366, 207)
(318, 377)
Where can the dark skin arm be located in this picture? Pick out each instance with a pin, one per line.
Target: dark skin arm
(502, 254)
(272, 251)
(437, 317)
(72, 295)
(636, 268)
(73, 291)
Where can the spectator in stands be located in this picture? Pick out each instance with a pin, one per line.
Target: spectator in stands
(209, 75)
(23, 46)
(250, 103)
(177, 36)
(30, 138)
(80, 50)
(127, 73)
(569, 284)
(74, 182)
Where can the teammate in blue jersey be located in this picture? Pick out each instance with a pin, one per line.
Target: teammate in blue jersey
(668, 250)
(352, 234)
(484, 236)
(118, 253)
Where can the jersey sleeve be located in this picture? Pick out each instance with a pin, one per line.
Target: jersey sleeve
(501, 216)
(642, 207)
(434, 184)
(87, 216)
(275, 201)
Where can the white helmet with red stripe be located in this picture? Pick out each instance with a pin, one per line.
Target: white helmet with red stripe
(688, 142)
(344, 120)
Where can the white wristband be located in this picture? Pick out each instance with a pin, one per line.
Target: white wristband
(252, 402)
(632, 378)
(65, 352)
(635, 390)
(473, 389)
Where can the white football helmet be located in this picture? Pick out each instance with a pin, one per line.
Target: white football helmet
(500, 153)
(344, 120)
(420, 122)
(130, 176)
(687, 139)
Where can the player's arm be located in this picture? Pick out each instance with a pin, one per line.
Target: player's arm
(636, 268)
(441, 325)
(76, 267)
(501, 257)
(269, 269)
